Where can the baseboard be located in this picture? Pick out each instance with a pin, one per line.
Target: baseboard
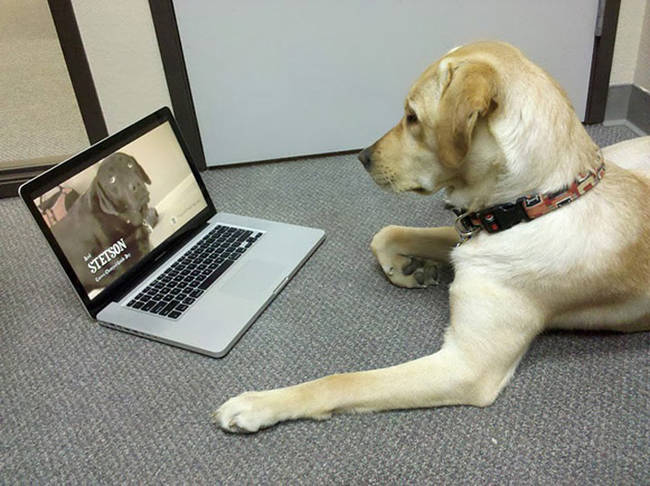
(625, 123)
(15, 173)
(639, 109)
(629, 105)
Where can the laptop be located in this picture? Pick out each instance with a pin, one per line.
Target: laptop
(132, 224)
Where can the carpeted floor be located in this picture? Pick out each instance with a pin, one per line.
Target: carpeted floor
(83, 404)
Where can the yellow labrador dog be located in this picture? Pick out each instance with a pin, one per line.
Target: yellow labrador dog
(551, 235)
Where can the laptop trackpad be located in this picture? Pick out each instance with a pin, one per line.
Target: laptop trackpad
(253, 278)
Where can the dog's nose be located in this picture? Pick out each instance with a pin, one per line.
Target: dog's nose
(365, 157)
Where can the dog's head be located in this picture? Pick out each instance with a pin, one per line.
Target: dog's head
(486, 124)
(427, 149)
(120, 188)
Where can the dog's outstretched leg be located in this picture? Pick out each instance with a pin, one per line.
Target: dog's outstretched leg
(409, 256)
(480, 352)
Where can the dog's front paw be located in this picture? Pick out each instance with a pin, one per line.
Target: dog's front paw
(401, 269)
(248, 412)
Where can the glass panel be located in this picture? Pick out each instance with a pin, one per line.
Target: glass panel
(40, 122)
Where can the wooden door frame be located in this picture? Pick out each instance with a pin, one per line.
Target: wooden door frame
(601, 61)
(178, 83)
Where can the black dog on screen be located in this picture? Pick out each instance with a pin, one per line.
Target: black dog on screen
(108, 226)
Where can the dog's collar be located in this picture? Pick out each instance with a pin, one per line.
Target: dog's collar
(525, 208)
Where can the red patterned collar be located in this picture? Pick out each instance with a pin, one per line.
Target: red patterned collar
(524, 209)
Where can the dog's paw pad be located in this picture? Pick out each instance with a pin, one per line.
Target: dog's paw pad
(425, 272)
(245, 413)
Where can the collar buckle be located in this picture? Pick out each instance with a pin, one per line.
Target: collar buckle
(503, 216)
(463, 231)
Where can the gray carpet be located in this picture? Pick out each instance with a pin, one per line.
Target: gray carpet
(83, 404)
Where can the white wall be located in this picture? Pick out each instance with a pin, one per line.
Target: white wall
(289, 77)
(631, 63)
(120, 42)
(642, 74)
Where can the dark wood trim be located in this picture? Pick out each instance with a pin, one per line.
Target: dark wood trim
(171, 53)
(23, 170)
(601, 63)
(74, 54)
(12, 179)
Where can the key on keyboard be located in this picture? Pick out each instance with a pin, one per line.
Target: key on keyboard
(176, 289)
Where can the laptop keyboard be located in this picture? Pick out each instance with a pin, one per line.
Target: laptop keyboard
(176, 289)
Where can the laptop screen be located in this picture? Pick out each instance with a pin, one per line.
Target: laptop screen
(109, 216)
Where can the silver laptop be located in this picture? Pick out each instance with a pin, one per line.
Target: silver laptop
(135, 230)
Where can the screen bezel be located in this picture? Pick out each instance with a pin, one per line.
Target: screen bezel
(58, 174)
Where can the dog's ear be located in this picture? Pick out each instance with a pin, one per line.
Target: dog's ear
(469, 90)
(105, 203)
(141, 172)
(138, 168)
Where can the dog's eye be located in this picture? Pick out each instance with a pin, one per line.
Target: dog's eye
(411, 118)
(112, 180)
